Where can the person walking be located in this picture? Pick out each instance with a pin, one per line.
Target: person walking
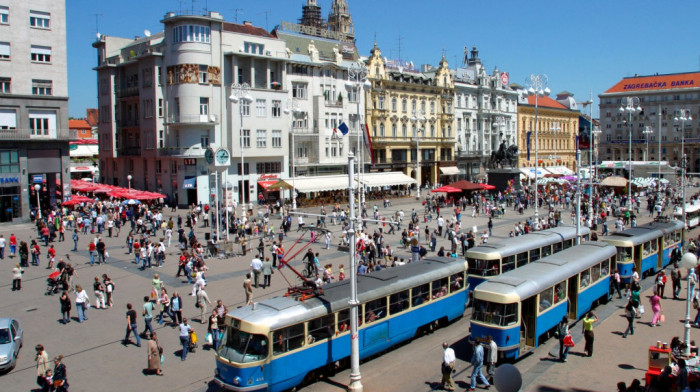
(617, 283)
(448, 365)
(491, 359)
(184, 338)
(202, 301)
(267, 272)
(562, 331)
(131, 326)
(82, 301)
(99, 289)
(42, 364)
(587, 330)
(176, 307)
(676, 281)
(655, 301)
(17, 277)
(154, 352)
(213, 329)
(630, 314)
(477, 362)
(248, 290)
(164, 301)
(256, 269)
(66, 305)
(75, 240)
(147, 314)
(109, 289)
(60, 376)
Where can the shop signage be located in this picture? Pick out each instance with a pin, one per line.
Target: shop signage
(9, 180)
(268, 176)
(38, 178)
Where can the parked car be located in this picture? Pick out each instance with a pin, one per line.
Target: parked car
(11, 341)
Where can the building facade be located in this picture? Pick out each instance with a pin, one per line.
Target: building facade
(664, 99)
(165, 98)
(410, 116)
(33, 107)
(485, 115)
(557, 130)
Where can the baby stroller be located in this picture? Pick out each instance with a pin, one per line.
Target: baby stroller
(193, 341)
(53, 283)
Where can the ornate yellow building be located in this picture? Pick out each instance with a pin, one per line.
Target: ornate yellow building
(408, 110)
(557, 131)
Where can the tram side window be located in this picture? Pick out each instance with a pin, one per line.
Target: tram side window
(605, 268)
(557, 247)
(494, 313)
(678, 236)
(420, 294)
(243, 347)
(344, 321)
(586, 237)
(568, 244)
(439, 288)
(398, 302)
(624, 253)
(534, 255)
(559, 292)
(522, 259)
(595, 273)
(647, 248)
(483, 267)
(288, 339)
(654, 246)
(375, 310)
(546, 251)
(585, 278)
(508, 264)
(546, 299)
(321, 328)
(456, 282)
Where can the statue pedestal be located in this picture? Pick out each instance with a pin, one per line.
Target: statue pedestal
(500, 178)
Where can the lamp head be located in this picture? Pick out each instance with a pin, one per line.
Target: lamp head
(248, 98)
(37, 187)
(622, 109)
(689, 260)
(547, 91)
(531, 91)
(286, 111)
(233, 98)
(129, 177)
(367, 84)
(349, 85)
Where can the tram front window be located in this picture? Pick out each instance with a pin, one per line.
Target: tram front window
(239, 346)
(624, 254)
(495, 313)
(483, 267)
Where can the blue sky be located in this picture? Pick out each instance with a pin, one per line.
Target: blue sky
(580, 46)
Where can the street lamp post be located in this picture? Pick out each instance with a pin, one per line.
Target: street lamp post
(684, 116)
(355, 376)
(648, 130)
(292, 111)
(357, 81)
(538, 87)
(240, 92)
(592, 169)
(630, 106)
(689, 260)
(37, 188)
(128, 178)
(417, 131)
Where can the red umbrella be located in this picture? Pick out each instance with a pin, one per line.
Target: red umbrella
(446, 189)
(466, 185)
(488, 187)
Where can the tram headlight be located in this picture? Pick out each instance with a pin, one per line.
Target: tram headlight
(236, 380)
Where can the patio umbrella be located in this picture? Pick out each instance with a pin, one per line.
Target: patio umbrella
(466, 185)
(446, 189)
(131, 202)
(488, 187)
(614, 181)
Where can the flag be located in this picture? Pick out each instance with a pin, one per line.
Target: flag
(343, 129)
(368, 143)
(528, 145)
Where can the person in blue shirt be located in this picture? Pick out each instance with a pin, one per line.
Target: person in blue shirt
(478, 362)
(362, 269)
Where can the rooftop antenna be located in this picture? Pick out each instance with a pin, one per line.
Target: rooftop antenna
(97, 22)
(236, 11)
(192, 6)
(180, 2)
(399, 41)
(206, 7)
(268, 12)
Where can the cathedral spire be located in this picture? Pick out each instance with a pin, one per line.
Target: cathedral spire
(340, 20)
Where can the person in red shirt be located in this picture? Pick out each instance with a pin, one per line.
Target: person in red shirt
(36, 252)
(92, 250)
(51, 256)
(45, 235)
(137, 251)
(13, 245)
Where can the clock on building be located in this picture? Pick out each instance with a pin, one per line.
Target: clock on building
(223, 157)
(209, 156)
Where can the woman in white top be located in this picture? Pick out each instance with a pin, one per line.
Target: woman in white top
(82, 302)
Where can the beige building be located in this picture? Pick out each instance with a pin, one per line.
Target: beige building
(409, 111)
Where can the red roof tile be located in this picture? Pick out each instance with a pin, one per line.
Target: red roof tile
(78, 124)
(247, 29)
(657, 82)
(545, 102)
(92, 117)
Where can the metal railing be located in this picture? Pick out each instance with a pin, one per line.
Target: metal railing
(26, 134)
(193, 119)
(130, 151)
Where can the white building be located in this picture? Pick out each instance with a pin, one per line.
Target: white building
(485, 114)
(164, 99)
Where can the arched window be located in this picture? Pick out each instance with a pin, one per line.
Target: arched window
(393, 130)
(381, 130)
(403, 130)
(393, 104)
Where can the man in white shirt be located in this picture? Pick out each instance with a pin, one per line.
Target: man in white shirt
(256, 269)
(2, 247)
(491, 359)
(440, 223)
(448, 365)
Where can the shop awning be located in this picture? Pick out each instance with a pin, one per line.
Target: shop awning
(190, 183)
(313, 184)
(530, 172)
(450, 170)
(266, 184)
(560, 170)
(385, 179)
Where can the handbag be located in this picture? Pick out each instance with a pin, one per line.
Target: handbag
(209, 338)
(568, 341)
(640, 309)
(662, 318)
(162, 358)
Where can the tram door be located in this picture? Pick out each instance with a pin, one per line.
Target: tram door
(529, 312)
(572, 296)
(660, 253)
(637, 253)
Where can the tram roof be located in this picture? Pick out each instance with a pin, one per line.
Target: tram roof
(278, 312)
(636, 235)
(529, 241)
(665, 227)
(532, 278)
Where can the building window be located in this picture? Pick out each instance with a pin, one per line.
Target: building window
(299, 90)
(393, 130)
(276, 108)
(245, 139)
(160, 107)
(204, 141)
(41, 87)
(381, 102)
(245, 107)
(5, 85)
(268, 167)
(203, 72)
(253, 48)
(8, 119)
(192, 33)
(381, 130)
(159, 166)
(160, 76)
(41, 54)
(4, 15)
(276, 138)
(432, 107)
(40, 20)
(4, 50)
(173, 167)
(147, 108)
(261, 139)
(203, 106)
(104, 114)
(260, 107)
(9, 162)
(42, 123)
(352, 95)
(393, 104)
(147, 76)
(403, 131)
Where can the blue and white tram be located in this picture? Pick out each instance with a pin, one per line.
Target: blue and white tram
(494, 258)
(692, 213)
(520, 308)
(646, 247)
(280, 342)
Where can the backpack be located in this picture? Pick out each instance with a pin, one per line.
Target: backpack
(561, 330)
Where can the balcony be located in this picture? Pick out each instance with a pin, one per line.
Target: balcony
(128, 92)
(194, 151)
(470, 154)
(130, 151)
(193, 119)
(25, 134)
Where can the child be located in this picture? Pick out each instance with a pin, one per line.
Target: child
(341, 273)
(48, 382)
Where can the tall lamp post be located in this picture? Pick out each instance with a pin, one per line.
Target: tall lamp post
(358, 82)
(241, 92)
(648, 130)
(538, 86)
(689, 260)
(293, 111)
(37, 188)
(128, 178)
(355, 376)
(684, 116)
(592, 170)
(419, 119)
(630, 106)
